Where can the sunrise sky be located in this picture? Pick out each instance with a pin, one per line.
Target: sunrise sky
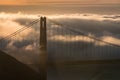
(29, 2)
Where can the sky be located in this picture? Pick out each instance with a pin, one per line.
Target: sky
(28, 2)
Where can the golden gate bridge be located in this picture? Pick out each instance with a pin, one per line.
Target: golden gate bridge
(59, 24)
(69, 43)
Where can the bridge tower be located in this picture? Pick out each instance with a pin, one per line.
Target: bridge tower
(43, 49)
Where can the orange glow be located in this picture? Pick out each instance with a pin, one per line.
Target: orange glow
(24, 2)
(12, 2)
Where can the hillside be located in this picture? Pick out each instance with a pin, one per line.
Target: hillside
(11, 69)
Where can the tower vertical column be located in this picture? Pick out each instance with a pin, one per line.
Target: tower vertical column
(43, 49)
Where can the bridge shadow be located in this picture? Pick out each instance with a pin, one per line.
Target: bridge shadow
(11, 69)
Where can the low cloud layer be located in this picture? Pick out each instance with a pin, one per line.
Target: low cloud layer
(25, 46)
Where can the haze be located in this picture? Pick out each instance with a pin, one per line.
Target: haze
(29, 2)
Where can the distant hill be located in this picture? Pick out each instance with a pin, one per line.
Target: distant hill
(11, 69)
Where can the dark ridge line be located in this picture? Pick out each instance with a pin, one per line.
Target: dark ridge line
(12, 69)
